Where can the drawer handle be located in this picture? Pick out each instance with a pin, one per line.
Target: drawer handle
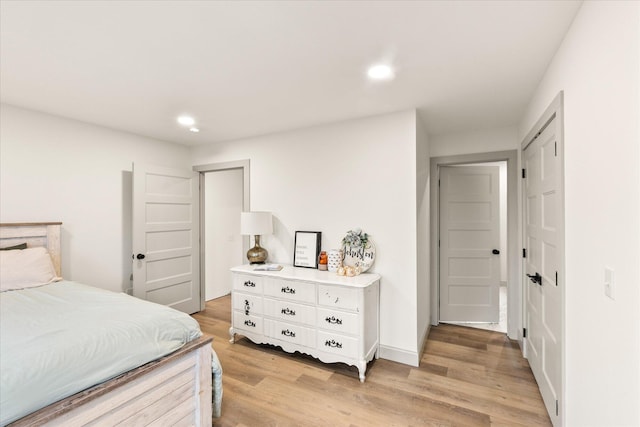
(249, 284)
(250, 323)
(334, 320)
(333, 343)
(288, 290)
(247, 306)
(288, 311)
(288, 333)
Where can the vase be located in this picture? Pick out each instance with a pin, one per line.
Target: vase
(335, 260)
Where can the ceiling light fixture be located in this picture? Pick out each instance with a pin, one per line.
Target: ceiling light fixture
(186, 120)
(380, 72)
(194, 129)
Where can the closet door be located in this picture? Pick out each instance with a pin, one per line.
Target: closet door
(543, 298)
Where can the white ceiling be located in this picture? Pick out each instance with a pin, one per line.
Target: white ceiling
(250, 68)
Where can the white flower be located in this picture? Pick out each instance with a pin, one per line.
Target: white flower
(355, 238)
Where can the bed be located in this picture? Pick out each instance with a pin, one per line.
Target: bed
(71, 354)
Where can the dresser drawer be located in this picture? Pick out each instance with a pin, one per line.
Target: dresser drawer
(247, 322)
(337, 344)
(338, 297)
(290, 311)
(296, 334)
(248, 283)
(291, 290)
(338, 321)
(247, 303)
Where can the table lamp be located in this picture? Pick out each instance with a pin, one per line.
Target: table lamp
(256, 224)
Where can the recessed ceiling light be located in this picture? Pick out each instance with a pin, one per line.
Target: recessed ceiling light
(186, 120)
(194, 129)
(380, 72)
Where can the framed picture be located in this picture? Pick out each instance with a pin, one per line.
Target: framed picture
(306, 249)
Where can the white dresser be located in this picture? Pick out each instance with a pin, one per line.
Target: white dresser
(330, 317)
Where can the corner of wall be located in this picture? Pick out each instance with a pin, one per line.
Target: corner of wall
(406, 357)
(423, 237)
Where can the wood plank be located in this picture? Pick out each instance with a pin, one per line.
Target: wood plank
(181, 415)
(92, 395)
(467, 377)
(113, 402)
(203, 389)
(27, 224)
(159, 407)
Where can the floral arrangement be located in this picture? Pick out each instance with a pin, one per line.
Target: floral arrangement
(355, 238)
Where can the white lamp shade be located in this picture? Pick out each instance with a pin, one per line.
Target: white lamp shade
(256, 223)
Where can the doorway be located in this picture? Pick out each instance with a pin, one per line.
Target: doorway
(472, 245)
(511, 260)
(222, 239)
(224, 193)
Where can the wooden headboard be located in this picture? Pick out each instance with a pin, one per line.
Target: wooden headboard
(34, 234)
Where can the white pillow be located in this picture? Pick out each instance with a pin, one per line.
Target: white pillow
(26, 268)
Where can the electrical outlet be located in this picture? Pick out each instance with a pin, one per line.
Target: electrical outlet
(609, 287)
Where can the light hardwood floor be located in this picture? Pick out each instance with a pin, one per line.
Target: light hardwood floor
(467, 377)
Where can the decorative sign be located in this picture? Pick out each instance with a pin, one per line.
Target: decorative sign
(358, 250)
(306, 249)
(359, 256)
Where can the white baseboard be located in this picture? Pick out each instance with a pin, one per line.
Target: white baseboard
(399, 355)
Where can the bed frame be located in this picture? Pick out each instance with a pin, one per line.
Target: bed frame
(173, 390)
(34, 234)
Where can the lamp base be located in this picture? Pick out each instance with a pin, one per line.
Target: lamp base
(257, 254)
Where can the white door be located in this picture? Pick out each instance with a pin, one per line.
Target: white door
(542, 210)
(166, 237)
(469, 244)
(223, 202)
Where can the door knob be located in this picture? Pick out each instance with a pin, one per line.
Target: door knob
(140, 256)
(495, 252)
(535, 278)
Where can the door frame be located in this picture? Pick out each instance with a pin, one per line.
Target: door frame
(244, 165)
(448, 194)
(514, 284)
(555, 109)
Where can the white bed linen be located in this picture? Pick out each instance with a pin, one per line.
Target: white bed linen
(61, 338)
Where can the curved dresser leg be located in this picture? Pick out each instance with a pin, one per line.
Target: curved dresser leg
(232, 335)
(362, 367)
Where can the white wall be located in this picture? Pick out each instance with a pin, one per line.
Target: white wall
(597, 67)
(223, 197)
(479, 141)
(55, 169)
(333, 178)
